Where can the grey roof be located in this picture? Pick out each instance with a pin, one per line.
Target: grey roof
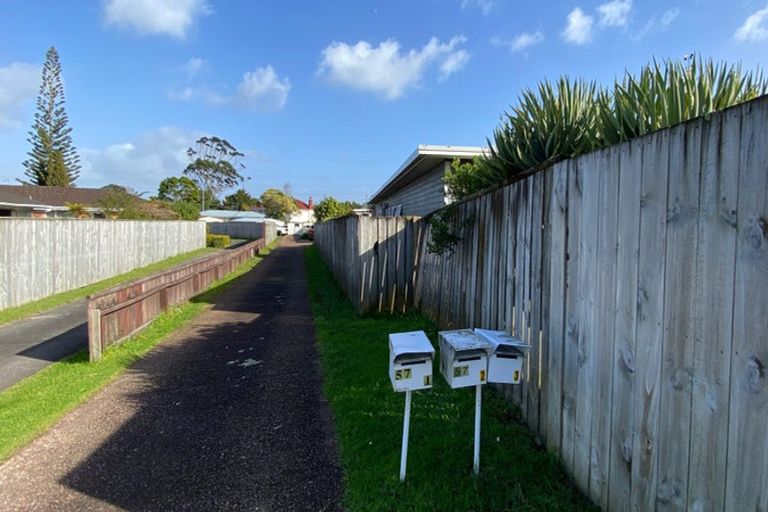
(231, 214)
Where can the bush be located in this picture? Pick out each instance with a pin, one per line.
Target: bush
(219, 241)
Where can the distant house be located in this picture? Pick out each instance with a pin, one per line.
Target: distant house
(303, 217)
(417, 187)
(48, 202)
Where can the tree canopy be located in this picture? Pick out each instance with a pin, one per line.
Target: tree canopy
(240, 200)
(53, 160)
(215, 164)
(179, 188)
(331, 208)
(278, 205)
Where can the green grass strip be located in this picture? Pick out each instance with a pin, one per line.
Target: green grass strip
(34, 404)
(515, 472)
(53, 301)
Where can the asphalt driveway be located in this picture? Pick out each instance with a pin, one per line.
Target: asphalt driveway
(227, 414)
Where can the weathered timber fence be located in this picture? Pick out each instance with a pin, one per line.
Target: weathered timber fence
(41, 257)
(247, 230)
(639, 274)
(373, 259)
(117, 313)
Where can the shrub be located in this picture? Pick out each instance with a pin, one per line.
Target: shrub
(219, 241)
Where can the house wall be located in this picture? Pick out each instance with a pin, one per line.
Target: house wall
(423, 196)
(299, 220)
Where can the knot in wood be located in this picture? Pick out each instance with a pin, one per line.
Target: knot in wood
(755, 374)
(757, 234)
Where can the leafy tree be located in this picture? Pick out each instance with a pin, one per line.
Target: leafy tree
(118, 203)
(53, 160)
(331, 208)
(241, 200)
(278, 205)
(186, 211)
(466, 178)
(178, 189)
(215, 164)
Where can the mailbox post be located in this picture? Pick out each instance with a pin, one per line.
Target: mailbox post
(410, 368)
(464, 363)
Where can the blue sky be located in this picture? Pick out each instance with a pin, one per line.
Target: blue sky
(331, 96)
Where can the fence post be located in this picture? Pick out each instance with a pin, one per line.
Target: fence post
(94, 334)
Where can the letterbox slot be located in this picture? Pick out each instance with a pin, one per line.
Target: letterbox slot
(413, 358)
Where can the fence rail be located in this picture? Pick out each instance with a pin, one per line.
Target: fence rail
(117, 313)
(42, 257)
(639, 274)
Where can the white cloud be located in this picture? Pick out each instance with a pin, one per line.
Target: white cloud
(19, 82)
(193, 66)
(755, 28)
(485, 6)
(521, 42)
(455, 62)
(167, 17)
(669, 16)
(140, 163)
(260, 90)
(579, 27)
(615, 13)
(384, 69)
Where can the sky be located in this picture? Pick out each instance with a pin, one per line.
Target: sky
(327, 97)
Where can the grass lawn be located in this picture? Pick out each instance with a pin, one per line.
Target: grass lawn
(515, 473)
(34, 404)
(44, 304)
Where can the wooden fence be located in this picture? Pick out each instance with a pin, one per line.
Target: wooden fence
(41, 257)
(119, 312)
(639, 274)
(246, 230)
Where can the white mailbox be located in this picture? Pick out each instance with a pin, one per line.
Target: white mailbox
(505, 356)
(410, 361)
(463, 358)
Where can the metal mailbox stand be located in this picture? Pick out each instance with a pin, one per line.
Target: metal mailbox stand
(410, 368)
(464, 363)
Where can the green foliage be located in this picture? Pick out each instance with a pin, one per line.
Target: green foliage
(178, 189)
(515, 473)
(218, 241)
(445, 231)
(53, 160)
(185, 210)
(215, 164)
(78, 210)
(123, 203)
(571, 118)
(240, 200)
(467, 178)
(331, 208)
(278, 205)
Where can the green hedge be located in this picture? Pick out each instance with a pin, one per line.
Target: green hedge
(219, 241)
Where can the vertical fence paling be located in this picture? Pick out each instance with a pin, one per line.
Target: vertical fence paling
(639, 273)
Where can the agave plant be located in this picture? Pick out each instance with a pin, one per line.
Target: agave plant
(571, 118)
(672, 92)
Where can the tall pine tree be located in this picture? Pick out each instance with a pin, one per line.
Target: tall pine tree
(53, 160)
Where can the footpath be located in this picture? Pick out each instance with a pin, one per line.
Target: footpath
(227, 414)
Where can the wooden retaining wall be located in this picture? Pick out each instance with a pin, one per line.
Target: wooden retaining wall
(639, 274)
(42, 257)
(119, 312)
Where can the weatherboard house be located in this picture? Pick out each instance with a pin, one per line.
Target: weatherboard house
(418, 187)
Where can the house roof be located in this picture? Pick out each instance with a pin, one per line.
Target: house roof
(301, 205)
(425, 158)
(231, 214)
(40, 197)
